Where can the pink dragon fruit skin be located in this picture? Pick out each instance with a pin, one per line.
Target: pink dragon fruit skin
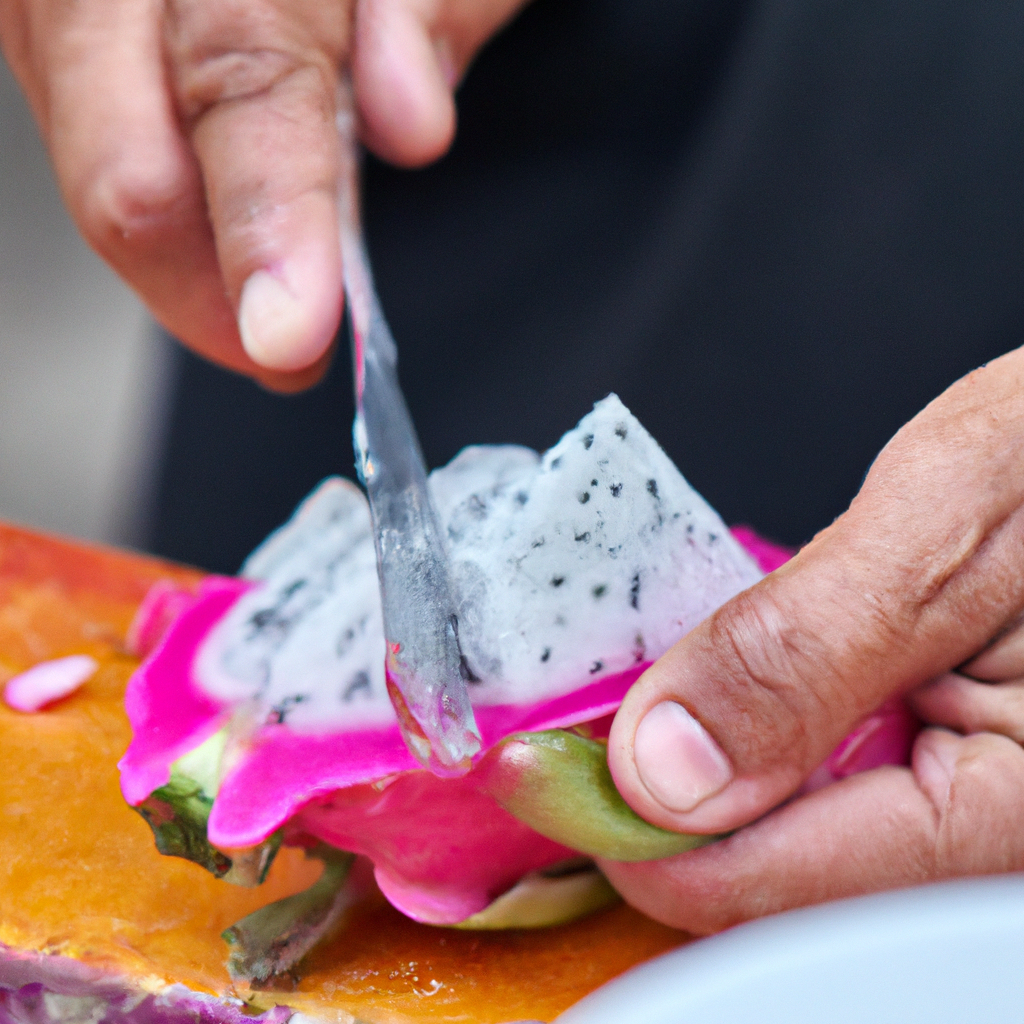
(288, 768)
(163, 603)
(492, 849)
(47, 988)
(768, 555)
(600, 540)
(169, 713)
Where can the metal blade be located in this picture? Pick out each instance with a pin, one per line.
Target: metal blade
(426, 672)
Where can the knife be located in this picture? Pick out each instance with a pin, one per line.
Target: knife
(426, 671)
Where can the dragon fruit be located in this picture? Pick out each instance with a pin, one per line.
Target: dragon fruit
(262, 715)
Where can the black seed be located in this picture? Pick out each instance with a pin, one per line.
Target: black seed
(689, 529)
(596, 667)
(616, 490)
(593, 483)
(712, 537)
(546, 654)
(538, 543)
(584, 497)
(588, 440)
(555, 463)
(652, 487)
(599, 590)
(262, 618)
(466, 672)
(585, 537)
(345, 641)
(477, 507)
(557, 581)
(280, 712)
(639, 648)
(620, 430)
(360, 681)
(634, 591)
(522, 497)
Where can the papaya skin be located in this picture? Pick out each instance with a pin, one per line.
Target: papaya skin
(80, 876)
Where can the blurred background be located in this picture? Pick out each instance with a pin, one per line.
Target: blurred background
(776, 228)
(84, 377)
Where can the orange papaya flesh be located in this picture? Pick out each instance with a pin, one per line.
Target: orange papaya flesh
(82, 884)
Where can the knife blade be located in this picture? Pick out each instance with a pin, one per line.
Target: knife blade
(426, 671)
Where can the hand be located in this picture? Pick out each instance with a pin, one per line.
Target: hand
(921, 573)
(194, 142)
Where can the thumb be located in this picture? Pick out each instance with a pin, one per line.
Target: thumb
(408, 56)
(919, 574)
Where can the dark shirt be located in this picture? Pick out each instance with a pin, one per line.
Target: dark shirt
(776, 229)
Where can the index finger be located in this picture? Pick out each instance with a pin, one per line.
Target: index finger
(256, 86)
(127, 174)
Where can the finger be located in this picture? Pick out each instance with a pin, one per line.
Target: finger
(925, 567)
(256, 86)
(126, 172)
(16, 38)
(296, 381)
(1004, 659)
(968, 706)
(407, 58)
(959, 811)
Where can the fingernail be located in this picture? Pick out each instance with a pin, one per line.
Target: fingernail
(676, 759)
(272, 322)
(934, 761)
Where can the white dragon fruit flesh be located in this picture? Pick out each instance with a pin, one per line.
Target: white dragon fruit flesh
(572, 568)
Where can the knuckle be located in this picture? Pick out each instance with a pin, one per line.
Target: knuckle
(218, 78)
(969, 709)
(773, 673)
(981, 826)
(973, 707)
(996, 708)
(697, 894)
(232, 50)
(127, 201)
(1012, 719)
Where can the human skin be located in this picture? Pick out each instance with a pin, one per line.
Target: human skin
(195, 145)
(918, 577)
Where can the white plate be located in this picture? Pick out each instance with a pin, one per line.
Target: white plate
(939, 954)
